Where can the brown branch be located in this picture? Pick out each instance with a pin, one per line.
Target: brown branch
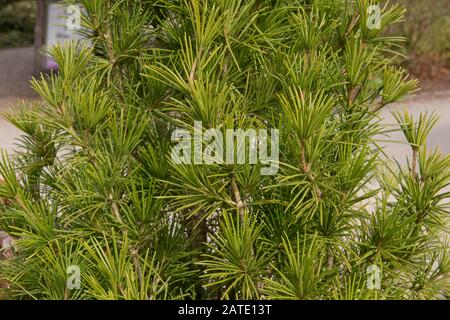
(330, 258)
(107, 36)
(192, 73)
(240, 205)
(414, 163)
(353, 93)
(380, 105)
(137, 265)
(197, 229)
(194, 66)
(306, 168)
(115, 209)
(353, 22)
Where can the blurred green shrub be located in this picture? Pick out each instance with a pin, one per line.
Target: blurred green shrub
(17, 19)
(427, 32)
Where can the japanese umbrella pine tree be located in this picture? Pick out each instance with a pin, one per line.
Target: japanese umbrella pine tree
(93, 189)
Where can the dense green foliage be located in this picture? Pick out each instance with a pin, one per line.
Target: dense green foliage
(94, 185)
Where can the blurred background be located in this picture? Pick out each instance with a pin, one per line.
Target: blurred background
(426, 56)
(17, 20)
(427, 30)
(427, 47)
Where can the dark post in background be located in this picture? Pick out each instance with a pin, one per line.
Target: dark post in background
(40, 34)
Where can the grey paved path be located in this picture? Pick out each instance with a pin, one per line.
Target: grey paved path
(440, 135)
(16, 69)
